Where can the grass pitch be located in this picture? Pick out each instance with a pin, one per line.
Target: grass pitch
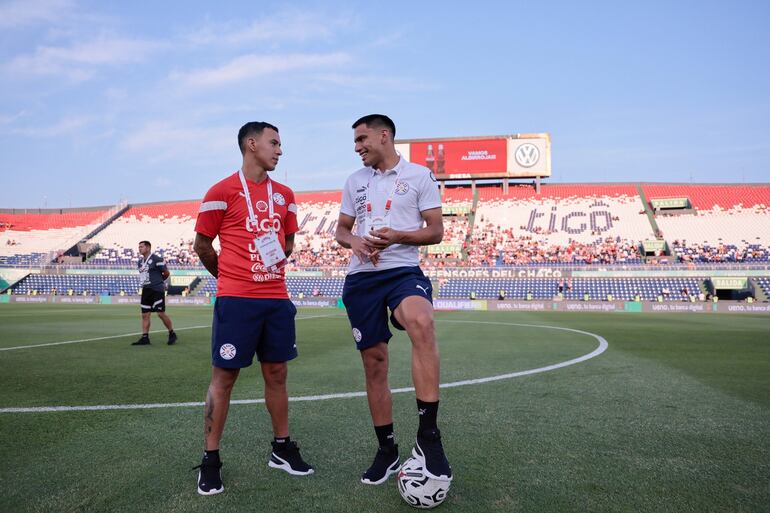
(672, 417)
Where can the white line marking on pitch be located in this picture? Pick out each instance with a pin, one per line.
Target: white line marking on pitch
(345, 395)
(128, 335)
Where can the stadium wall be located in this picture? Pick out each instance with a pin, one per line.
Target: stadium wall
(483, 305)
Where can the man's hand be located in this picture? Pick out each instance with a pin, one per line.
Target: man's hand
(383, 237)
(363, 249)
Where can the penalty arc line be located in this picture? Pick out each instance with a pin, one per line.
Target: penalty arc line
(603, 345)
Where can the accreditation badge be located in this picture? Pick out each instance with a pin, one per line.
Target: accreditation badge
(270, 250)
(375, 223)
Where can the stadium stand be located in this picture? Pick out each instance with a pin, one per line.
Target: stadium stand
(572, 224)
(727, 223)
(314, 286)
(764, 284)
(33, 238)
(457, 229)
(169, 227)
(208, 287)
(568, 227)
(77, 285)
(669, 289)
(314, 244)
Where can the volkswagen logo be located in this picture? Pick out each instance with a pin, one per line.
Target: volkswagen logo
(527, 155)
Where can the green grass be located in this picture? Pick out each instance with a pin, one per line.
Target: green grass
(672, 417)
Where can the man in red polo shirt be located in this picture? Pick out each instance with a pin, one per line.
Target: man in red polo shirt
(255, 219)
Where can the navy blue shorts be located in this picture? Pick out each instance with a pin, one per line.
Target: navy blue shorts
(246, 326)
(369, 295)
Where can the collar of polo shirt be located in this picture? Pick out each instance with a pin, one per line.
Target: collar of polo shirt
(395, 168)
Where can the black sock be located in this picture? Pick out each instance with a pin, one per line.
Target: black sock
(211, 454)
(145, 335)
(385, 435)
(282, 440)
(428, 413)
(171, 332)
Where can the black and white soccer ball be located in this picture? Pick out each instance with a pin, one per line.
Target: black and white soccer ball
(417, 489)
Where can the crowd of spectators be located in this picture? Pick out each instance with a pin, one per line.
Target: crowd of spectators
(489, 246)
(456, 229)
(184, 254)
(721, 253)
(492, 245)
(326, 254)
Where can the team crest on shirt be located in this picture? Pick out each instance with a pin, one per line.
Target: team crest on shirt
(356, 334)
(279, 199)
(402, 188)
(261, 206)
(227, 351)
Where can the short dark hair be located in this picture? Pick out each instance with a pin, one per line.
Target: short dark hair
(250, 129)
(377, 121)
(145, 242)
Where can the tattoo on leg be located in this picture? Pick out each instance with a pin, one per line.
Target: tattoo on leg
(209, 415)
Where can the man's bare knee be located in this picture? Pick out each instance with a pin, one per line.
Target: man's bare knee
(224, 379)
(375, 362)
(423, 321)
(274, 374)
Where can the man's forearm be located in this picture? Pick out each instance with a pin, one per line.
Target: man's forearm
(210, 262)
(343, 237)
(422, 237)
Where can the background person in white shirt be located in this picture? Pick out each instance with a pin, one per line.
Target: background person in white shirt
(395, 207)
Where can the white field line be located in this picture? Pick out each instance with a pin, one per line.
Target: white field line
(128, 335)
(346, 395)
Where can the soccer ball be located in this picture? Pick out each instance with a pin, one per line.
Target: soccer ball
(417, 489)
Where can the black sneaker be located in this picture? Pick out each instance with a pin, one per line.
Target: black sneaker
(142, 341)
(385, 463)
(430, 452)
(286, 457)
(210, 476)
(171, 338)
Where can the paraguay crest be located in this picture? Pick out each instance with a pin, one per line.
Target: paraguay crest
(279, 199)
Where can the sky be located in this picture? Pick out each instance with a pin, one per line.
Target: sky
(142, 101)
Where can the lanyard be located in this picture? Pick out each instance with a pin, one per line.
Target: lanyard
(252, 217)
(388, 202)
(143, 268)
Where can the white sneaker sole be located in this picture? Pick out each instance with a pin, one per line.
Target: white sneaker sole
(418, 455)
(284, 465)
(212, 491)
(392, 469)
